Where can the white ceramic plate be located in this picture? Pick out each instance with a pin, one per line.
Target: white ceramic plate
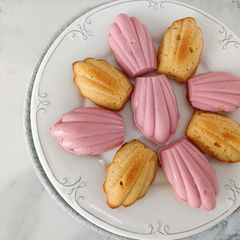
(159, 215)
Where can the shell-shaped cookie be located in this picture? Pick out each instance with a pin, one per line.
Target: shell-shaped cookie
(155, 108)
(130, 174)
(214, 92)
(101, 83)
(89, 131)
(190, 174)
(180, 49)
(215, 135)
(132, 46)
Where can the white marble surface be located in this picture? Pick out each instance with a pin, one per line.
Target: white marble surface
(26, 210)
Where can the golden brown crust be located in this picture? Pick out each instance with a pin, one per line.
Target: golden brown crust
(180, 49)
(216, 135)
(101, 83)
(130, 174)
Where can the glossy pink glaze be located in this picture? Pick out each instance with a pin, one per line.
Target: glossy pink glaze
(89, 131)
(155, 108)
(190, 174)
(132, 46)
(215, 91)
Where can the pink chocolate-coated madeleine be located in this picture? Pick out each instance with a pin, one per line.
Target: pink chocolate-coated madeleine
(190, 174)
(214, 92)
(89, 131)
(155, 108)
(132, 46)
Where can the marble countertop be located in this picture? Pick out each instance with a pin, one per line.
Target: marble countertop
(26, 209)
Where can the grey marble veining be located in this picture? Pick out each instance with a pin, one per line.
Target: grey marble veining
(26, 210)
